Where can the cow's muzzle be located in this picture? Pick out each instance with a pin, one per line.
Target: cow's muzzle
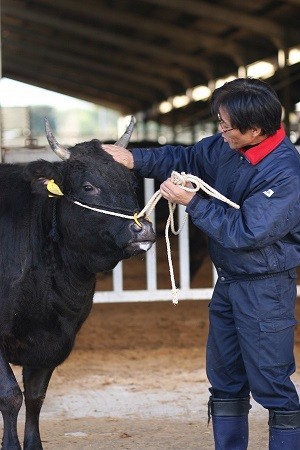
(142, 237)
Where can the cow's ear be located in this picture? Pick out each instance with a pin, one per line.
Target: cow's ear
(45, 177)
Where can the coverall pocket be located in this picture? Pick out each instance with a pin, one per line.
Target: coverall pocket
(276, 343)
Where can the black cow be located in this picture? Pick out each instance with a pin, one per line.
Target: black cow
(51, 249)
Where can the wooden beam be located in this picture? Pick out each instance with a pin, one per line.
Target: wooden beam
(101, 98)
(293, 2)
(87, 65)
(90, 82)
(229, 16)
(114, 57)
(16, 9)
(193, 39)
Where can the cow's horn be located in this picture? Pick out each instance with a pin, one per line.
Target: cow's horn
(61, 151)
(125, 138)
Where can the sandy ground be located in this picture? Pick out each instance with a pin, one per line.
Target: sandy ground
(136, 380)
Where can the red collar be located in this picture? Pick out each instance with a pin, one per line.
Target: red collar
(257, 153)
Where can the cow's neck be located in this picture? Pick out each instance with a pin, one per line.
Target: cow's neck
(60, 255)
(76, 273)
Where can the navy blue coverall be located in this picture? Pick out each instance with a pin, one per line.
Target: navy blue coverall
(256, 251)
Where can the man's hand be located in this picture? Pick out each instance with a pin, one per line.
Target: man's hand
(174, 193)
(120, 154)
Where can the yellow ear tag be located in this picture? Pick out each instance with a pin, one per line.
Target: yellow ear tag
(53, 188)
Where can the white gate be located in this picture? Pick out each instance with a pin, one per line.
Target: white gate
(152, 293)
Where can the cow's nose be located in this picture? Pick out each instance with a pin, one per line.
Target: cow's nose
(135, 227)
(142, 226)
(141, 239)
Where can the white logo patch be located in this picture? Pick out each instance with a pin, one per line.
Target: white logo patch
(269, 192)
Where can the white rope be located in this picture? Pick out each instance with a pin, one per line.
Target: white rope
(180, 179)
(104, 211)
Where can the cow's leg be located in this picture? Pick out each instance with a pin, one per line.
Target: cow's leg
(11, 399)
(36, 382)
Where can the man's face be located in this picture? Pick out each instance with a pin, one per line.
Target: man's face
(233, 136)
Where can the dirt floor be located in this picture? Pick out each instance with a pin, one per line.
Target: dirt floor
(136, 380)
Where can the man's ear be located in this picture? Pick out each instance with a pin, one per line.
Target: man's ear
(256, 131)
(45, 177)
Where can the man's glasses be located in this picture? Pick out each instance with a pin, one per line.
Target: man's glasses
(221, 123)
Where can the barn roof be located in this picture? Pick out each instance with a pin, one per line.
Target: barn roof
(132, 55)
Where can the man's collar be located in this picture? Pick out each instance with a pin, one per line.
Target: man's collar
(257, 153)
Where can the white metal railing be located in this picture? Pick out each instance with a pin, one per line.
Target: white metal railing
(152, 292)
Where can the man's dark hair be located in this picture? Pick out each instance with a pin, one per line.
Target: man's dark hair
(249, 103)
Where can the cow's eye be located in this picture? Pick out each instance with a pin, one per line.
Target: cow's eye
(88, 187)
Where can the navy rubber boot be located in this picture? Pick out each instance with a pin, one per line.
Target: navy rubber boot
(230, 423)
(282, 439)
(230, 433)
(284, 430)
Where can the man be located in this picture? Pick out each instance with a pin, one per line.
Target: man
(255, 249)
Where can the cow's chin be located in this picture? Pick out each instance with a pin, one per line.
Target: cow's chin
(136, 248)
